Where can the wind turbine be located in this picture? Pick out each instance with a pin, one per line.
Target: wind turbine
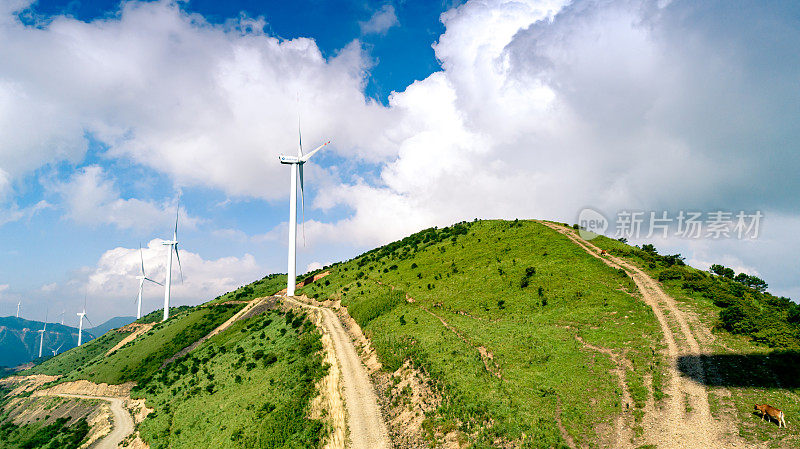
(143, 277)
(173, 245)
(62, 316)
(19, 303)
(41, 334)
(297, 171)
(55, 351)
(82, 315)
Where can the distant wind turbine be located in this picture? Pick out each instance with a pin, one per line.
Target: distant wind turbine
(173, 246)
(18, 304)
(62, 316)
(82, 315)
(142, 277)
(55, 351)
(41, 334)
(297, 171)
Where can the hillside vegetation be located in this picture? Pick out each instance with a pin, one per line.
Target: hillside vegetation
(505, 318)
(528, 340)
(248, 387)
(754, 353)
(745, 308)
(257, 378)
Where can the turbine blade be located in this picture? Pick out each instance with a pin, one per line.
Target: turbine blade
(299, 138)
(155, 282)
(90, 321)
(299, 134)
(178, 257)
(308, 156)
(302, 205)
(141, 257)
(177, 210)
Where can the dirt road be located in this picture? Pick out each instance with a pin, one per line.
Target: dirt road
(364, 419)
(123, 423)
(686, 421)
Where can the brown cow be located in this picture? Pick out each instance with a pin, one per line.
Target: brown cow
(772, 412)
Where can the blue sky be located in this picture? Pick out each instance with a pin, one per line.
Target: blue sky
(438, 112)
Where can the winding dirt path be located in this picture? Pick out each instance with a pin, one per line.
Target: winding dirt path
(123, 422)
(364, 419)
(686, 421)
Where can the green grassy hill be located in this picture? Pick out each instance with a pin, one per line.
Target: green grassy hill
(523, 293)
(523, 334)
(258, 377)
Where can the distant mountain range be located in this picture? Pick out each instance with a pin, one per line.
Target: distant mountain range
(113, 323)
(19, 340)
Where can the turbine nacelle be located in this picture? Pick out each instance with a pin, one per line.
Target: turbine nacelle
(290, 159)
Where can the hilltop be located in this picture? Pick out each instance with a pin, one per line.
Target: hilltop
(481, 334)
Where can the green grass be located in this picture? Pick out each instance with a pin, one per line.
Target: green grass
(77, 357)
(523, 292)
(248, 387)
(267, 286)
(746, 358)
(139, 359)
(52, 436)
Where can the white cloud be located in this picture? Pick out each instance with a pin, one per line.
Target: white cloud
(13, 212)
(541, 108)
(91, 198)
(111, 284)
(380, 22)
(208, 105)
(313, 266)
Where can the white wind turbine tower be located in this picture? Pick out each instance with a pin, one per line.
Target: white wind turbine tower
(18, 304)
(41, 334)
(297, 171)
(173, 246)
(82, 315)
(142, 277)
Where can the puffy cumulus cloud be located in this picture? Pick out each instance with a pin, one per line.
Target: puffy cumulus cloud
(544, 107)
(380, 22)
(112, 286)
(206, 104)
(90, 197)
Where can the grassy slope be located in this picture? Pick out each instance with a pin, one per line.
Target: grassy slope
(261, 372)
(473, 282)
(77, 357)
(269, 285)
(142, 357)
(770, 376)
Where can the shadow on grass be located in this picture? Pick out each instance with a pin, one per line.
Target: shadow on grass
(776, 370)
